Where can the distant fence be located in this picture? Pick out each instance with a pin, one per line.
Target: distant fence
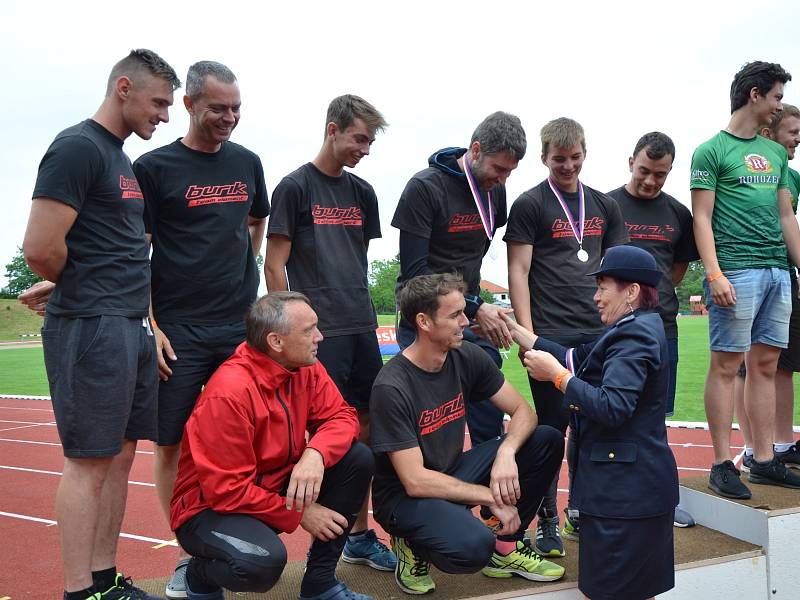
(23, 336)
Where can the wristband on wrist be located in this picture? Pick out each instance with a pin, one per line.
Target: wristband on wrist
(560, 378)
(713, 276)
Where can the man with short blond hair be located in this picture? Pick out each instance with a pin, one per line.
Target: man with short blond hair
(558, 232)
(784, 129)
(85, 234)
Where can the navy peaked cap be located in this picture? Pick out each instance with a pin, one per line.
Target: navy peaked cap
(630, 264)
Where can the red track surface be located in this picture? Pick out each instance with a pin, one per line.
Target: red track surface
(30, 467)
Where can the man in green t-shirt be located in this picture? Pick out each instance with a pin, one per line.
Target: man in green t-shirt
(784, 129)
(743, 224)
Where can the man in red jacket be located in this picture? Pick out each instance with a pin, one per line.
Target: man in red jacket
(247, 473)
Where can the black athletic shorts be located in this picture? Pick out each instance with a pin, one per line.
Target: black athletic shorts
(790, 356)
(103, 376)
(353, 362)
(200, 349)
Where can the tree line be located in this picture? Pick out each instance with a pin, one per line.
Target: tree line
(382, 281)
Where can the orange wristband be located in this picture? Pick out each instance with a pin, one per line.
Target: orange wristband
(560, 378)
(713, 277)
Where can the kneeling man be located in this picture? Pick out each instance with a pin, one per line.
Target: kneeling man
(247, 473)
(425, 484)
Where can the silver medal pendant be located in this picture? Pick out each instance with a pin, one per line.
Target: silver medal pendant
(583, 256)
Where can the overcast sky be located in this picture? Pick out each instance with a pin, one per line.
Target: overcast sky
(434, 69)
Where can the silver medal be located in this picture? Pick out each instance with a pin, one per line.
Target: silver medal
(583, 256)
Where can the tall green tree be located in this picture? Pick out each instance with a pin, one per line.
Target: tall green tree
(19, 275)
(382, 280)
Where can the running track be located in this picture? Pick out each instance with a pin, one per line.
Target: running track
(30, 467)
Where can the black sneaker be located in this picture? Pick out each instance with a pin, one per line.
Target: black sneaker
(123, 589)
(791, 458)
(747, 462)
(773, 472)
(548, 541)
(724, 480)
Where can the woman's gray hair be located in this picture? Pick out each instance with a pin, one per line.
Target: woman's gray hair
(267, 315)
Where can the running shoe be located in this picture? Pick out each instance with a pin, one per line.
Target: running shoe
(682, 518)
(725, 481)
(773, 472)
(176, 586)
(123, 589)
(412, 574)
(571, 530)
(367, 549)
(524, 562)
(747, 462)
(338, 592)
(791, 457)
(548, 541)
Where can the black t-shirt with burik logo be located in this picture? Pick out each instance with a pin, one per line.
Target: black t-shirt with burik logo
(561, 292)
(437, 205)
(107, 271)
(411, 407)
(329, 221)
(663, 227)
(197, 206)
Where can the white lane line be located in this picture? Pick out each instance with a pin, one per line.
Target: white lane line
(130, 536)
(49, 410)
(24, 427)
(43, 472)
(56, 444)
(694, 469)
(28, 422)
(24, 397)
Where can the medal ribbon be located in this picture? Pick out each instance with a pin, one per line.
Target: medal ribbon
(568, 214)
(487, 215)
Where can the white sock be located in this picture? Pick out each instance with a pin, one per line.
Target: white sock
(783, 447)
(748, 451)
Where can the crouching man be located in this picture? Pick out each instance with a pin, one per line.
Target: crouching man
(246, 472)
(425, 484)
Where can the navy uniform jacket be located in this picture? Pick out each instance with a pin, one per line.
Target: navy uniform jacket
(625, 468)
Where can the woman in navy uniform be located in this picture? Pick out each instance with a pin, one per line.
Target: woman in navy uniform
(626, 481)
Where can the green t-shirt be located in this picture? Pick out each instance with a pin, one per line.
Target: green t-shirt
(794, 187)
(745, 175)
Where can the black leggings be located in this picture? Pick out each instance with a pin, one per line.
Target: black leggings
(243, 554)
(447, 534)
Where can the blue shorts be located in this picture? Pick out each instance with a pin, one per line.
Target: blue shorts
(760, 315)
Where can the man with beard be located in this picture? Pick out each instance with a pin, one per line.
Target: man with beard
(447, 217)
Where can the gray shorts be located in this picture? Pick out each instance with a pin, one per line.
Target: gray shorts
(103, 375)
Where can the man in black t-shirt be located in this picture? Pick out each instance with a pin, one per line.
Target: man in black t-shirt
(558, 232)
(323, 218)
(85, 235)
(447, 216)
(425, 484)
(661, 225)
(205, 214)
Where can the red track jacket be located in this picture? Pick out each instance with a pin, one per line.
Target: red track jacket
(247, 432)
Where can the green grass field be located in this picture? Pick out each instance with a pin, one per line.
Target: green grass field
(15, 320)
(22, 369)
